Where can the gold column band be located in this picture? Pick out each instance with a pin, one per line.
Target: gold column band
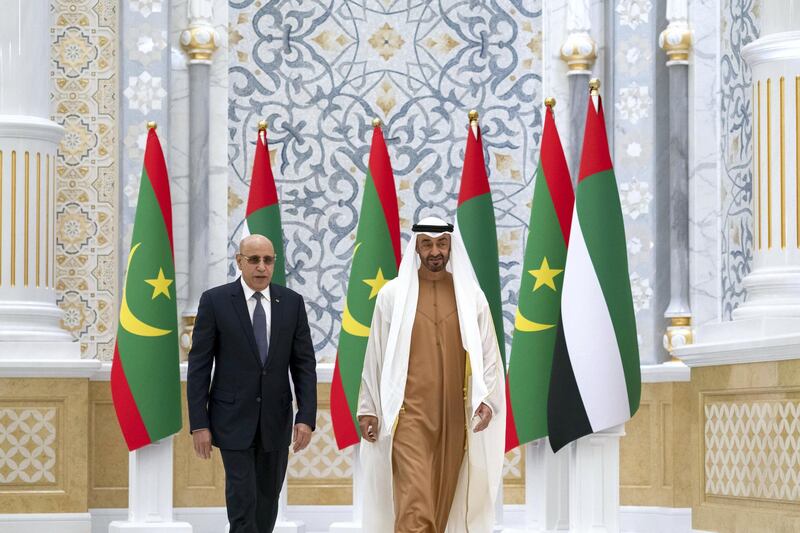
(47, 225)
(26, 218)
(38, 215)
(13, 217)
(783, 163)
(758, 162)
(769, 163)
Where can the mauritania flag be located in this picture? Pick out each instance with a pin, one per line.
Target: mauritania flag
(145, 382)
(475, 220)
(595, 382)
(539, 307)
(376, 256)
(263, 214)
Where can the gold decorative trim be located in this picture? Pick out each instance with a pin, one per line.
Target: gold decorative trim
(758, 164)
(26, 218)
(47, 226)
(678, 333)
(769, 163)
(676, 40)
(199, 42)
(13, 217)
(38, 213)
(783, 165)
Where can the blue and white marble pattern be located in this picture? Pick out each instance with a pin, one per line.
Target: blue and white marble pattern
(739, 26)
(320, 71)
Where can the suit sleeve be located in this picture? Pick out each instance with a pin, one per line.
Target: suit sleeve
(303, 366)
(201, 361)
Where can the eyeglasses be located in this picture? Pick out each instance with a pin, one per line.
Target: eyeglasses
(268, 260)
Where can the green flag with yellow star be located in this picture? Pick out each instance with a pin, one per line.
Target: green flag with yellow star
(145, 378)
(376, 256)
(536, 325)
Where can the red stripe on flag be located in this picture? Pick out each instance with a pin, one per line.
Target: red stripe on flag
(130, 420)
(262, 183)
(156, 170)
(556, 173)
(474, 180)
(381, 170)
(595, 156)
(343, 428)
(512, 439)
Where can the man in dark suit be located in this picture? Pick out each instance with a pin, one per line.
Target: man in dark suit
(253, 332)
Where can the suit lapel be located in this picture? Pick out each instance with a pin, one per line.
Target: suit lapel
(275, 319)
(240, 306)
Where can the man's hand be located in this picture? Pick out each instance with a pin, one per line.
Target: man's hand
(369, 427)
(485, 414)
(301, 437)
(202, 443)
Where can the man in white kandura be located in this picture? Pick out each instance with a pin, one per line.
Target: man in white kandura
(432, 404)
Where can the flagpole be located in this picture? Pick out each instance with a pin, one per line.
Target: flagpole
(150, 492)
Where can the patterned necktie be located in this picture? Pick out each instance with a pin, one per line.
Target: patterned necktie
(260, 329)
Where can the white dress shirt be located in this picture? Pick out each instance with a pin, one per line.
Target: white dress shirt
(251, 304)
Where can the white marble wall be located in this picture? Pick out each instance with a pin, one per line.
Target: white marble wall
(704, 162)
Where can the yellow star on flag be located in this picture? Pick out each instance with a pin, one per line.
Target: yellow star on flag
(376, 283)
(544, 275)
(160, 284)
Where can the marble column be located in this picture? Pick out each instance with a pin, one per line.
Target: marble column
(29, 316)
(773, 286)
(676, 40)
(766, 327)
(579, 52)
(199, 41)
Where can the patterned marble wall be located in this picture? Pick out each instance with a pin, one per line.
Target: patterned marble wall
(144, 84)
(738, 26)
(318, 72)
(84, 72)
(633, 106)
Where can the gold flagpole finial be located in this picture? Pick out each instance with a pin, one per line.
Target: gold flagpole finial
(376, 122)
(262, 125)
(550, 102)
(594, 86)
(151, 125)
(473, 115)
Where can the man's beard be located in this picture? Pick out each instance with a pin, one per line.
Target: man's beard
(436, 266)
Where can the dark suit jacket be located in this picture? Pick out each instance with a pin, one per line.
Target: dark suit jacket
(243, 396)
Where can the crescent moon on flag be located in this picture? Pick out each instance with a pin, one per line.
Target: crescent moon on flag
(349, 323)
(129, 321)
(523, 324)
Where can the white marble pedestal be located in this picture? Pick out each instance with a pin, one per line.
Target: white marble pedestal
(353, 526)
(594, 482)
(150, 493)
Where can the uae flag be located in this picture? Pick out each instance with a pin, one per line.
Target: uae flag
(376, 257)
(539, 307)
(263, 214)
(145, 381)
(595, 382)
(475, 221)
